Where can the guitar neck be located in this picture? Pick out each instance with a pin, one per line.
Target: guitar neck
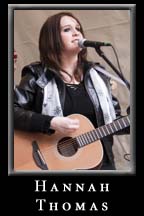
(102, 131)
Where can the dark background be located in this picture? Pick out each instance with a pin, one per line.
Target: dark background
(121, 197)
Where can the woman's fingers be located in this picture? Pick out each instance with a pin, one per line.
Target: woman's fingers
(64, 124)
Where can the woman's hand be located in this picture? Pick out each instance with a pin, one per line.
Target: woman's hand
(64, 124)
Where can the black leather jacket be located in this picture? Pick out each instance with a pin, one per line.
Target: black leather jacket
(28, 99)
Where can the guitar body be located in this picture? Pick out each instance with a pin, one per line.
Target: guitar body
(86, 157)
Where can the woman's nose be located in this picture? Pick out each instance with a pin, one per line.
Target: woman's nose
(75, 32)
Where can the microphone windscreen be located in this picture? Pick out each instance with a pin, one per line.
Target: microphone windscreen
(81, 43)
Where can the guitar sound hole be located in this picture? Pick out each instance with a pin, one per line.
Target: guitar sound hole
(67, 146)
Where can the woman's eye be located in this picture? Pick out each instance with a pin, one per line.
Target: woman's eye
(69, 29)
(66, 29)
(78, 29)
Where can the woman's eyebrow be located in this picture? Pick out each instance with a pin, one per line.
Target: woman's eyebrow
(69, 25)
(65, 26)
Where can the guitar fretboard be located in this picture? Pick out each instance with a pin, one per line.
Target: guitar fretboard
(102, 131)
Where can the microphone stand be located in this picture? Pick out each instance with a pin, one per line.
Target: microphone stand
(101, 53)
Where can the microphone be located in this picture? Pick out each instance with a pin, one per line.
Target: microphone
(86, 43)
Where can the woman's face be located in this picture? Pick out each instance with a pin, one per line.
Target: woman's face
(70, 33)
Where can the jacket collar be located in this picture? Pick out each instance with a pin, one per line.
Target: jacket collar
(47, 75)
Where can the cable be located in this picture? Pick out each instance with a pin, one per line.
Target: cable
(117, 61)
(125, 155)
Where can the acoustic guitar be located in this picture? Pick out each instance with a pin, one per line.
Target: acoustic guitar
(81, 150)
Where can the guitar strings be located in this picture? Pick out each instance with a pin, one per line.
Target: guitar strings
(71, 141)
(67, 144)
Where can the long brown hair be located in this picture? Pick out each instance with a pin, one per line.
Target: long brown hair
(50, 44)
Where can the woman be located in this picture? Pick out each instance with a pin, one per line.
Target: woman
(62, 83)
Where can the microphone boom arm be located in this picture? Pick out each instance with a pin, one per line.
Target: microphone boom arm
(101, 53)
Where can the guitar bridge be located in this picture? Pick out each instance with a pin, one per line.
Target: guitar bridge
(38, 157)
